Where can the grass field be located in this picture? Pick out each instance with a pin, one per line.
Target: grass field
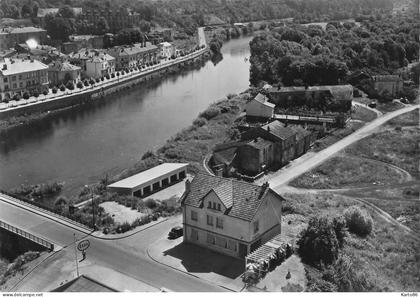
(397, 147)
(387, 257)
(343, 171)
(407, 119)
(363, 114)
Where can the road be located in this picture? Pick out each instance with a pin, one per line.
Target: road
(127, 255)
(302, 165)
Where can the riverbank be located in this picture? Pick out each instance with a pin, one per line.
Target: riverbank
(49, 107)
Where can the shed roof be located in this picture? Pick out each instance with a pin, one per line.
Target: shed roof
(277, 129)
(148, 175)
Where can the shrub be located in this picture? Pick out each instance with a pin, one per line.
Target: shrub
(199, 122)
(70, 85)
(79, 85)
(148, 154)
(54, 90)
(16, 97)
(26, 95)
(102, 78)
(86, 83)
(210, 113)
(150, 203)
(319, 242)
(107, 76)
(30, 256)
(118, 74)
(45, 92)
(62, 88)
(358, 221)
(124, 227)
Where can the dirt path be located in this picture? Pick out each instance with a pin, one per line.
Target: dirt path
(302, 165)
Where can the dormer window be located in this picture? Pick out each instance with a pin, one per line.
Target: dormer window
(214, 205)
(219, 207)
(209, 206)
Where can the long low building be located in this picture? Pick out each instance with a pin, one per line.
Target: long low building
(152, 180)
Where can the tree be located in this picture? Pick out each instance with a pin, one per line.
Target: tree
(358, 221)
(319, 242)
(66, 12)
(102, 26)
(59, 28)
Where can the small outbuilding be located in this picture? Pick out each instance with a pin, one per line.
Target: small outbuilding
(150, 181)
(259, 107)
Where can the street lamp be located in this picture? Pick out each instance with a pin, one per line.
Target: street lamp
(93, 207)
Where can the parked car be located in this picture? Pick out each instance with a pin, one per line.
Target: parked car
(404, 100)
(372, 104)
(176, 232)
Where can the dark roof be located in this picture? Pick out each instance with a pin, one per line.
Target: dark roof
(225, 156)
(259, 143)
(84, 284)
(241, 199)
(277, 129)
(300, 131)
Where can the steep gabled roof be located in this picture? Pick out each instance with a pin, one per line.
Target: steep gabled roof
(263, 100)
(245, 198)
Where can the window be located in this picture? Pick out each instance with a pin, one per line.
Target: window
(194, 234)
(209, 220)
(214, 205)
(219, 206)
(211, 239)
(14, 78)
(256, 227)
(14, 86)
(219, 223)
(209, 206)
(194, 216)
(5, 79)
(222, 242)
(232, 245)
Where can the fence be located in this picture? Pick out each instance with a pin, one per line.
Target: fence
(27, 235)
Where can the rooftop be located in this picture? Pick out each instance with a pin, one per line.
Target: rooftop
(338, 91)
(264, 100)
(63, 66)
(21, 30)
(259, 143)
(241, 199)
(148, 175)
(84, 283)
(277, 129)
(16, 66)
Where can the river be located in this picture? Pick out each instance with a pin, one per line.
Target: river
(79, 145)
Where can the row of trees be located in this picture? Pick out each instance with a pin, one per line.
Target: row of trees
(300, 55)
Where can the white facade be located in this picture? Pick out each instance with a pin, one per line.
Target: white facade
(166, 50)
(260, 107)
(210, 225)
(99, 66)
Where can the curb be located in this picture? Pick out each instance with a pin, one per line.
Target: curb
(188, 273)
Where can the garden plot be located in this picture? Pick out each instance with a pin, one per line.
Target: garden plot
(121, 213)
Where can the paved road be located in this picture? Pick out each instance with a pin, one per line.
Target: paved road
(303, 165)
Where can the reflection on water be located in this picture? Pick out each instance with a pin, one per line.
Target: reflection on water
(80, 144)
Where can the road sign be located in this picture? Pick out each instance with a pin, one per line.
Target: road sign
(83, 245)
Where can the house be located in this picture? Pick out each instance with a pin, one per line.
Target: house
(62, 72)
(138, 54)
(78, 42)
(283, 138)
(167, 50)
(256, 156)
(100, 65)
(93, 63)
(229, 216)
(387, 84)
(303, 140)
(44, 53)
(117, 19)
(329, 98)
(9, 37)
(20, 75)
(259, 107)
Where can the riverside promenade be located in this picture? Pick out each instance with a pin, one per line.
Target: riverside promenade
(66, 98)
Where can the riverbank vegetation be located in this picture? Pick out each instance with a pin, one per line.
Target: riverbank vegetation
(383, 260)
(310, 55)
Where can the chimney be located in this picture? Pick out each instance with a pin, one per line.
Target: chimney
(187, 187)
(265, 185)
(268, 129)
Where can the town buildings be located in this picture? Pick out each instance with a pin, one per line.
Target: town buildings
(390, 85)
(20, 75)
(117, 18)
(78, 42)
(327, 98)
(137, 54)
(62, 72)
(9, 37)
(229, 216)
(269, 146)
(93, 63)
(167, 50)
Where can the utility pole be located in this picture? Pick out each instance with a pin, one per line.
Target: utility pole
(75, 255)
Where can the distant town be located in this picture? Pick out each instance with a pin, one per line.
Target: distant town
(209, 146)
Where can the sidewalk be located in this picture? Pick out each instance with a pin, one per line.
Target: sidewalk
(205, 264)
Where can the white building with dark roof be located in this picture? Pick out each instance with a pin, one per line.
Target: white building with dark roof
(260, 107)
(229, 216)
